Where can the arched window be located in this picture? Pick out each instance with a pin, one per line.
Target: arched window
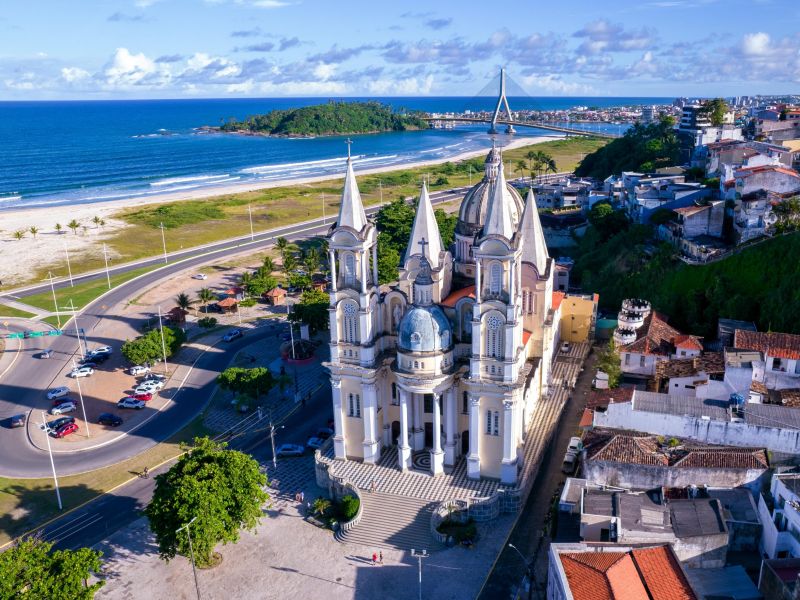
(350, 322)
(494, 336)
(528, 305)
(349, 269)
(496, 279)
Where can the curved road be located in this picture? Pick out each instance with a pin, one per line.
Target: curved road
(24, 386)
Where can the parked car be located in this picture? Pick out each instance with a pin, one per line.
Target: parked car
(98, 358)
(109, 419)
(44, 354)
(324, 432)
(232, 335)
(290, 450)
(62, 408)
(101, 350)
(575, 444)
(565, 347)
(61, 400)
(129, 402)
(154, 377)
(66, 429)
(80, 372)
(88, 363)
(17, 421)
(144, 397)
(59, 422)
(315, 443)
(148, 387)
(58, 392)
(200, 276)
(138, 370)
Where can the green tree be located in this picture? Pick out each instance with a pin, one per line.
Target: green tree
(31, 570)
(268, 264)
(299, 280)
(606, 220)
(34, 231)
(221, 489)
(312, 310)
(521, 167)
(18, 235)
(388, 260)
(183, 301)
(148, 347)
(251, 382)
(608, 362)
(58, 228)
(260, 284)
(715, 110)
(447, 226)
(311, 261)
(96, 220)
(282, 244)
(74, 225)
(289, 263)
(204, 296)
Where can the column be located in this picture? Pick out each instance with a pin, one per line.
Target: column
(437, 456)
(332, 262)
(387, 420)
(364, 271)
(375, 264)
(339, 449)
(403, 449)
(508, 466)
(450, 427)
(477, 280)
(474, 457)
(511, 282)
(418, 433)
(372, 448)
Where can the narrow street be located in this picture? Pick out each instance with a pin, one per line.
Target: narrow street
(507, 575)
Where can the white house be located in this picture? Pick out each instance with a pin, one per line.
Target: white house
(780, 517)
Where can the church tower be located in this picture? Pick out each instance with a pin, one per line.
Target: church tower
(354, 325)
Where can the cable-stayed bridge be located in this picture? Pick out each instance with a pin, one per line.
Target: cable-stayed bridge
(502, 116)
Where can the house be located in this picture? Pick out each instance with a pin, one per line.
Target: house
(738, 183)
(738, 154)
(275, 297)
(696, 230)
(779, 578)
(177, 315)
(237, 293)
(228, 305)
(780, 517)
(777, 131)
(563, 266)
(709, 421)
(727, 327)
(692, 376)
(602, 572)
(565, 192)
(725, 583)
(633, 460)
(645, 199)
(696, 129)
(780, 368)
(753, 216)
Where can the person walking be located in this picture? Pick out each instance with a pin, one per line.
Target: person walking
(380, 557)
(374, 559)
(146, 473)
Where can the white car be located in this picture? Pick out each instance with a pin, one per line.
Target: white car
(149, 386)
(139, 370)
(101, 350)
(62, 408)
(565, 347)
(81, 372)
(315, 443)
(575, 444)
(131, 403)
(200, 276)
(290, 450)
(58, 392)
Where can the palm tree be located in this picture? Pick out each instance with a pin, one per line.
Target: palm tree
(521, 167)
(96, 220)
(34, 230)
(102, 223)
(205, 295)
(281, 244)
(183, 301)
(312, 260)
(246, 279)
(531, 155)
(58, 228)
(289, 263)
(74, 225)
(268, 265)
(550, 165)
(18, 235)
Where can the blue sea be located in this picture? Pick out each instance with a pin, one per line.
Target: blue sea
(93, 151)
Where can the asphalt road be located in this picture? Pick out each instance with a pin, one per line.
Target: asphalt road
(23, 387)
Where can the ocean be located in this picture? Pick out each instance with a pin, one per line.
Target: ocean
(61, 153)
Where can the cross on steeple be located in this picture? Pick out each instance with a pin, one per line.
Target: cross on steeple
(348, 141)
(423, 243)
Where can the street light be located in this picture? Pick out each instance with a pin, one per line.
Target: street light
(80, 396)
(191, 553)
(419, 556)
(163, 344)
(74, 312)
(52, 464)
(528, 570)
(55, 303)
(272, 430)
(163, 241)
(69, 268)
(105, 257)
(250, 213)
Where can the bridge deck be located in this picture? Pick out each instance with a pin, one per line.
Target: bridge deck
(536, 124)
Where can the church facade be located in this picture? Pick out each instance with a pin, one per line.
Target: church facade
(452, 359)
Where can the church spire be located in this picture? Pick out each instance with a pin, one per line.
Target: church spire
(499, 219)
(351, 209)
(534, 248)
(425, 236)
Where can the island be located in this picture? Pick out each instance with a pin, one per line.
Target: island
(331, 118)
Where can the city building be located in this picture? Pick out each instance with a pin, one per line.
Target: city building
(780, 367)
(650, 195)
(696, 128)
(698, 376)
(696, 230)
(780, 517)
(779, 578)
(738, 183)
(449, 362)
(565, 192)
(741, 154)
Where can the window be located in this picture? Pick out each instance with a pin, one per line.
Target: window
(641, 360)
(349, 269)
(427, 406)
(350, 323)
(355, 406)
(494, 337)
(528, 301)
(395, 398)
(465, 403)
(488, 422)
(416, 364)
(495, 279)
(777, 365)
(627, 358)
(496, 427)
(492, 422)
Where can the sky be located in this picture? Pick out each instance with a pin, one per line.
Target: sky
(124, 49)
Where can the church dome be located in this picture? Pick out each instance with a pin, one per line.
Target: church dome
(472, 214)
(425, 329)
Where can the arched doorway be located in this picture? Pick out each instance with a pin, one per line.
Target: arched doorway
(395, 432)
(465, 442)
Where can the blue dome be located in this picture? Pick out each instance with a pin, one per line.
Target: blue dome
(425, 329)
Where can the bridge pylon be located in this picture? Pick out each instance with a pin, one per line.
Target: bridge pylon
(502, 101)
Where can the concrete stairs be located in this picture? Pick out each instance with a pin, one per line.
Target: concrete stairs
(391, 521)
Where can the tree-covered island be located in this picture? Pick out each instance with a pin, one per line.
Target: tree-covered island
(332, 118)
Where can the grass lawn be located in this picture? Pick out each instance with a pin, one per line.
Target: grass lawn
(27, 503)
(53, 320)
(10, 311)
(82, 293)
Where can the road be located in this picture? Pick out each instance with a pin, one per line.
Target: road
(110, 512)
(23, 387)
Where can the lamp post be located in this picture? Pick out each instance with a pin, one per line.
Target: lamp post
(528, 570)
(163, 343)
(52, 463)
(74, 312)
(105, 257)
(80, 396)
(191, 553)
(323, 208)
(272, 430)
(250, 213)
(55, 303)
(419, 556)
(69, 267)
(163, 241)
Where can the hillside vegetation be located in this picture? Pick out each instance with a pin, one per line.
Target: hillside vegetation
(333, 118)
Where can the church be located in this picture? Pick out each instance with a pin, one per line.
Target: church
(448, 363)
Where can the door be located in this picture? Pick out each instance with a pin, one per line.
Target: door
(395, 432)
(428, 435)
(465, 442)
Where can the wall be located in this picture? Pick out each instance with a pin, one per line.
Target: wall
(702, 551)
(632, 365)
(592, 526)
(577, 318)
(725, 433)
(491, 446)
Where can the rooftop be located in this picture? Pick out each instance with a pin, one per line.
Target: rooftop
(711, 363)
(780, 345)
(730, 583)
(696, 517)
(597, 398)
(655, 336)
(454, 297)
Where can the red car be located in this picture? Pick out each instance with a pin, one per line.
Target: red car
(146, 397)
(66, 429)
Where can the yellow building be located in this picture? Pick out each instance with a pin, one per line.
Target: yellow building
(578, 317)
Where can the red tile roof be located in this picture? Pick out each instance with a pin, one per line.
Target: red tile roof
(227, 303)
(454, 297)
(747, 171)
(640, 574)
(587, 418)
(526, 335)
(558, 297)
(688, 342)
(688, 211)
(655, 337)
(779, 345)
(602, 398)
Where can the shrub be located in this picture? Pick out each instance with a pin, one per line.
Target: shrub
(349, 507)
(207, 322)
(321, 506)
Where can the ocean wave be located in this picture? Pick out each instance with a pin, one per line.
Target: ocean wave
(174, 180)
(267, 168)
(10, 198)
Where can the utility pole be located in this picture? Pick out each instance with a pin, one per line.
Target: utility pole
(528, 570)
(380, 187)
(163, 241)
(419, 556)
(72, 309)
(272, 430)
(69, 268)
(191, 553)
(323, 208)
(105, 257)
(52, 464)
(80, 396)
(250, 213)
(163, 343)
(55, 303)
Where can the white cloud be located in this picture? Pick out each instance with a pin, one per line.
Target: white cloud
(324, 71)
(408, 86)
(73, 74)
(553, 84)
(756, 44)
(126, 69)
